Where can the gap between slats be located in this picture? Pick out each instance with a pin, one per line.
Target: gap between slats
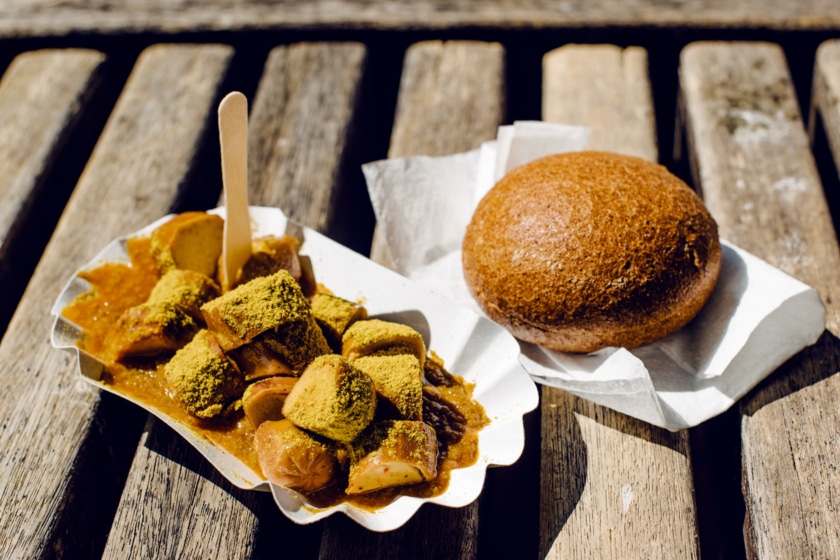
(751, 151)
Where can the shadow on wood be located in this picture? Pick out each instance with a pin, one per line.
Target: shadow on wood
(272, 528)
(563, 480)
(810, 366)
(433, 532)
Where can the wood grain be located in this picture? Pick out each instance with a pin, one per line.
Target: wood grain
(301, 121)
(751, 156)
(440, 106)
(825, 95)
(752, 160)
(301, 111)
(612, 486)
(451, 99)
(21, 18)
(616, 104)
(49, 417)
(42, 96)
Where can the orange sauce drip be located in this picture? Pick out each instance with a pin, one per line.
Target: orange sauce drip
(116, 287)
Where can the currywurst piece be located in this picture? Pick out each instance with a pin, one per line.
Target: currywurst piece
(186, 288)
(261, 305)
(398, 380)
(392, 453)
(167, 320)
(334, 314)
(292, 458)
(374, 337)
(257, 361)
(203, 379)
(332, 398)
(150, 329)
(263, 400)
(297, 343)
(272, 254)
(190, 240)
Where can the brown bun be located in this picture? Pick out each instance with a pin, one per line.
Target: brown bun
(580, 251)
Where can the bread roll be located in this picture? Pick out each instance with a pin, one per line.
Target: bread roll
(580, 251)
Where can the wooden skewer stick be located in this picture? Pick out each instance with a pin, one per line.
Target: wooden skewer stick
(233, 137)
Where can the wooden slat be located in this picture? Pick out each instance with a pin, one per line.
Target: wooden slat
(299, 129)
(440, 108)
(440, 75)
(31, 17)
(826, 95)
(451, 100)
(176, 505)
(751, 157)
(42, 96)
(49, 417)
(615, 104)
(612, 486)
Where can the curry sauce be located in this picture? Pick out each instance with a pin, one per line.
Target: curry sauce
(118, 287)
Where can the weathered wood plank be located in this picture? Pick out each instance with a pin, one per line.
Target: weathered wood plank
(300, 125)
(438, 113)
(612, 486)
(753, 163)
(751, 157)
(461, 84)
(49, 417)
(42, 97)
(299, 128)
(826, 95)
(43, 17)
(176, 505)
(441, 109)
(616, 103)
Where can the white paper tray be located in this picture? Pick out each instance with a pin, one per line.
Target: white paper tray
(473, 347)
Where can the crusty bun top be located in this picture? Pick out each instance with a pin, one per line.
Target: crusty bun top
(584, 250)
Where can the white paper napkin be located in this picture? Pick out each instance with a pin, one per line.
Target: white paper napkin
(757, 317)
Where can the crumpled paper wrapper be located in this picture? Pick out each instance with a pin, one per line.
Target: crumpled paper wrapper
(757, 317)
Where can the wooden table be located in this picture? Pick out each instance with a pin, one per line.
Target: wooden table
(107, 122)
